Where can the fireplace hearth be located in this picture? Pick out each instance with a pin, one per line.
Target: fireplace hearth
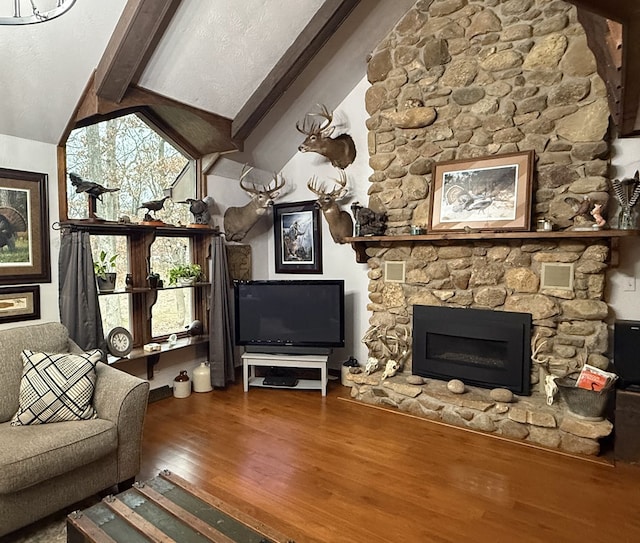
(485, 348)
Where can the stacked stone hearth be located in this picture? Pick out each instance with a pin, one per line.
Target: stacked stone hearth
(459, 79)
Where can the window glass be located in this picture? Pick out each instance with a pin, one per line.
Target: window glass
(114, 307)
(125, 154)
(173, 310)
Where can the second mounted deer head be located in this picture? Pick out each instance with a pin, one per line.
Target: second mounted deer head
(339, 221)
(239, 220)
(340, 151)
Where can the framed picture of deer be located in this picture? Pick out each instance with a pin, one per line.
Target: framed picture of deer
(489, 193)
(297, 234)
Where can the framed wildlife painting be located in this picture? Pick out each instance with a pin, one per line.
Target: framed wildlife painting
(24, 228)
(490, 193)
(297, 235)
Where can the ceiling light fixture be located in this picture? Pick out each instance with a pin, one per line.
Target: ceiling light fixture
(49, 9)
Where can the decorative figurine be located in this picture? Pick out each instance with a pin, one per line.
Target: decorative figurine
(153, 205)
(93, 190)
(200, 209)
(596, 213)
(370, 222)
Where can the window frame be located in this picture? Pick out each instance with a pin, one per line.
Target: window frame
(141, 237)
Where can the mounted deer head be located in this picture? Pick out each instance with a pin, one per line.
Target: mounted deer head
(340, 151)
(239, 220)
(339, 221)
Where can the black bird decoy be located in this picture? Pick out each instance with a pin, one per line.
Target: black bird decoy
(92, 189)
(154, 205)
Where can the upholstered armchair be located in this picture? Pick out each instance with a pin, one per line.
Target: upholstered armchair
(45, 467)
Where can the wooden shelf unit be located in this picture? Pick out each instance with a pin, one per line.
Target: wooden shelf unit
(153, 357)
(361, 243)
(140, 239)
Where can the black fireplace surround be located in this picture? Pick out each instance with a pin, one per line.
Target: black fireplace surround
(481, 347)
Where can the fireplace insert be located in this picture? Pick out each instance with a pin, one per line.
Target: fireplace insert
(480, 347)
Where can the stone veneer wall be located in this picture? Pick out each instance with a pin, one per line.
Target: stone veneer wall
(459, 79)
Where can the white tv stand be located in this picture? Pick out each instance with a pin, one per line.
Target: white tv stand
(251, 360)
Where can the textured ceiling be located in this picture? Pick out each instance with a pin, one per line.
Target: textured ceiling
(213, 55)
(44, 68)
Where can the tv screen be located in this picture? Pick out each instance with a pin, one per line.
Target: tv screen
(289, 316)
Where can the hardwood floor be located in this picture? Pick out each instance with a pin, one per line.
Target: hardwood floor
(333, 470)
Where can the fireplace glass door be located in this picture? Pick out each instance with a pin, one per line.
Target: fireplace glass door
(480, 347)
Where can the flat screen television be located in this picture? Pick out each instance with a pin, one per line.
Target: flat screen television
(289, 317)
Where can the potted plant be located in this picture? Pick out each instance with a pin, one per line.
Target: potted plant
(185, 274)
(104, 270)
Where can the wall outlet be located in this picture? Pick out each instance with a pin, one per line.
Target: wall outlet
(629, 284)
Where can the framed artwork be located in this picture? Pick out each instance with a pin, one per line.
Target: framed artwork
(490, 193)
(19, 303)
(297, 235)
(24, 228)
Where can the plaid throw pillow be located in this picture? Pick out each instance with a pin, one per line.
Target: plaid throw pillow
(56, 387)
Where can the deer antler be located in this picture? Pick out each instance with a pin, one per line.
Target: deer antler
(262, 189)
(320, 190)
(535, 357)
(369, 335)
(245, 171)
(341, 189)
(279, 181)
(312, 185)
(324, 113)
(311, 128)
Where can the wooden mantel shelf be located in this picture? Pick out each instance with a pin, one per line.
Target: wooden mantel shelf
(361, 243)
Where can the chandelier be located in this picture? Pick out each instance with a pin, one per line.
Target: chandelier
(26, 12)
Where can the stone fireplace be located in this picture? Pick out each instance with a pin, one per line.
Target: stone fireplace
(464, 78)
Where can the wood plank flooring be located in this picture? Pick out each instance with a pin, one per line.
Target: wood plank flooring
(333, 470)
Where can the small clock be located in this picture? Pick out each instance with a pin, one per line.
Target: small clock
(119, 342)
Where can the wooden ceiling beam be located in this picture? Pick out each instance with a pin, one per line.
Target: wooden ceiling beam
(134, 39)
(319, 29)
(618, 10)
(198, 132)
(630, 80)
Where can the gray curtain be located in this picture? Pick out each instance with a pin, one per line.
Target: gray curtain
(79, 307)
(221, 350)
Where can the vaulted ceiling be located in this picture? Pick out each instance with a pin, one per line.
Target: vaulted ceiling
(208, 71)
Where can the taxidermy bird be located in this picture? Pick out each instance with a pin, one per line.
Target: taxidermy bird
(154, 205)
(92, 189)
(200, 209)
(11, 221)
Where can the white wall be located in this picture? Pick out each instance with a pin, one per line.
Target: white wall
(624, 302)
(33, 156)
(338, 260)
